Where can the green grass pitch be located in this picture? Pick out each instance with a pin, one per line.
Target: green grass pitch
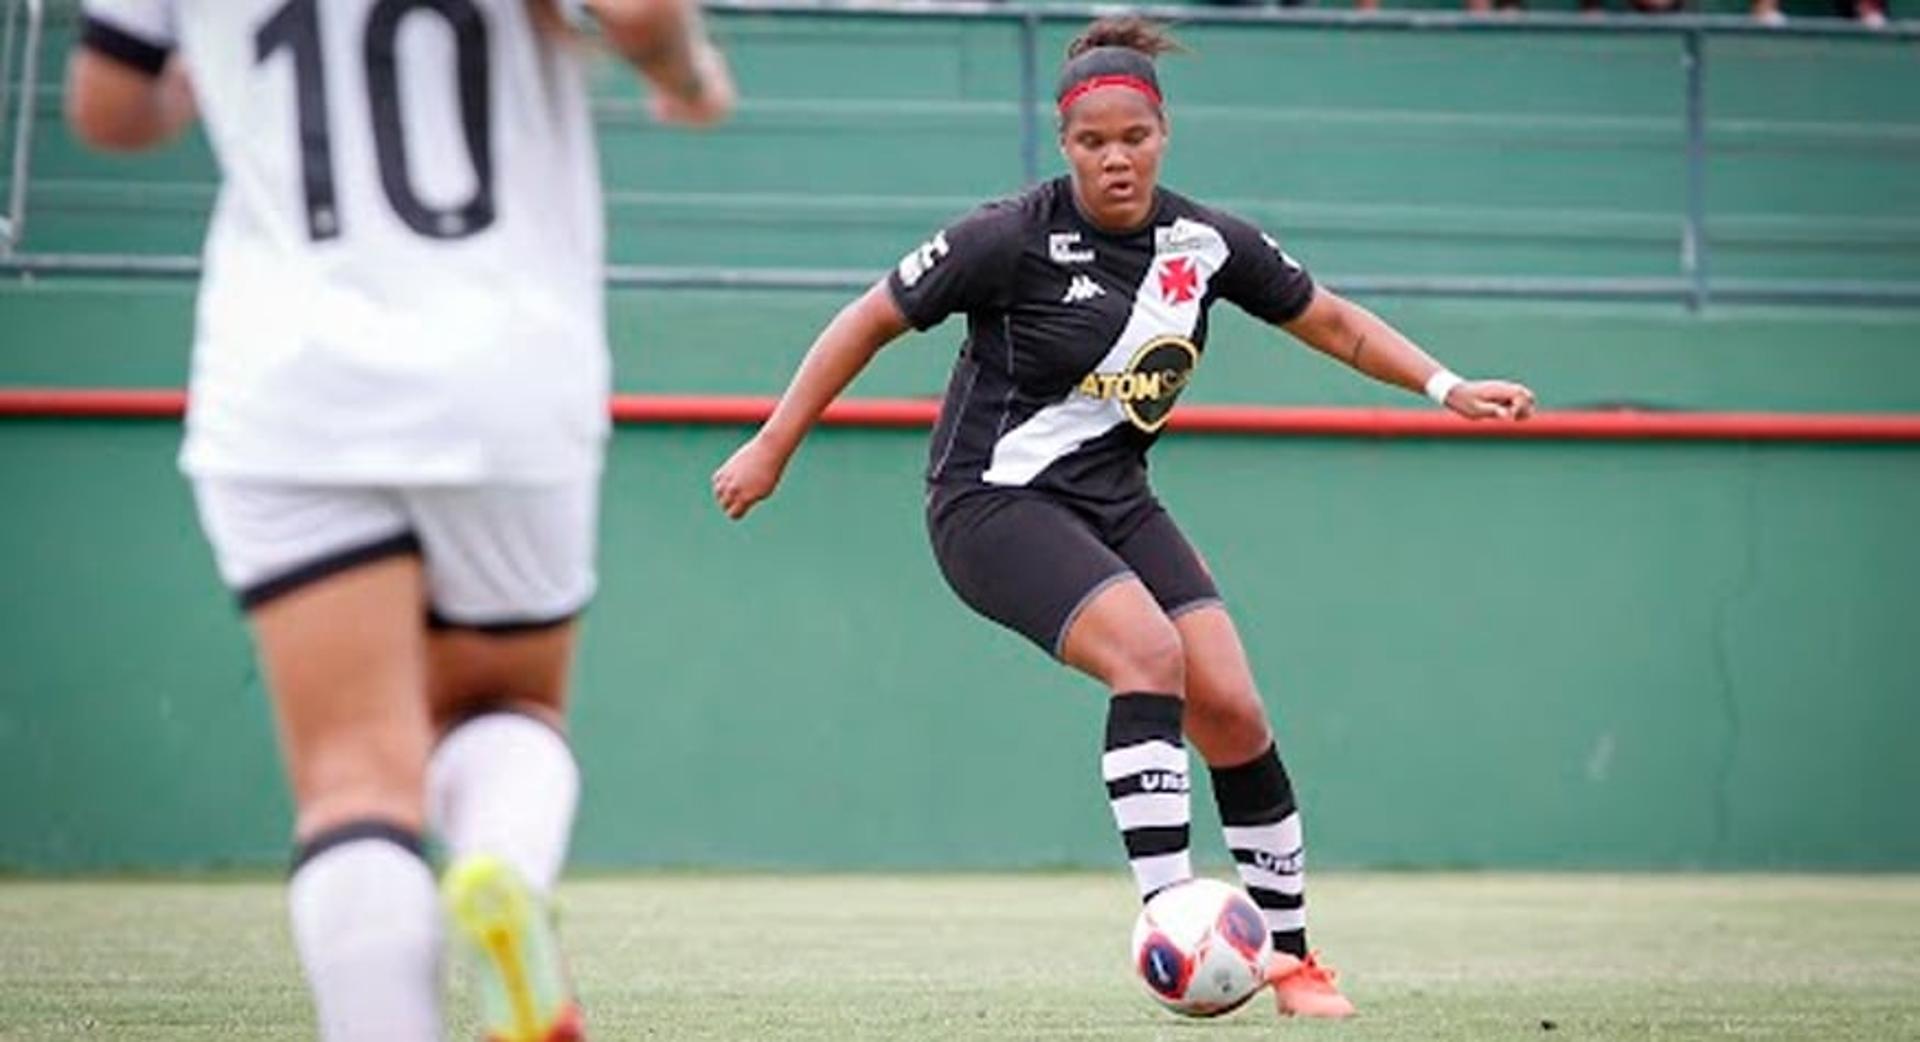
(1435, 958)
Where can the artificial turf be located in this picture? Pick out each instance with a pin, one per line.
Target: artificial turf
(1433, 957)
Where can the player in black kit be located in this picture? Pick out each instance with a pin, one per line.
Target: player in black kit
(1086, 301)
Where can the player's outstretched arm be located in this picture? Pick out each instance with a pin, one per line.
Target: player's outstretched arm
(116, 107)
(1348, 332)
(667, 41)
(838, 355)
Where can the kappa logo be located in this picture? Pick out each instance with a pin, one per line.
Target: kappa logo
(914, 266)
(1061, 248)
(1082, 288)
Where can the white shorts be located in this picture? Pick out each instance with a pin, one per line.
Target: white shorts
(498, 558)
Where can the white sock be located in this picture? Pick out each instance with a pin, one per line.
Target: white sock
(507, 785)
(366, 921)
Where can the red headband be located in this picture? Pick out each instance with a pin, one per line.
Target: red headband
(1093, 83)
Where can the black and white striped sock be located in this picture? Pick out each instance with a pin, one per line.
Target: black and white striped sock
(1262, 825)
(1145, 767)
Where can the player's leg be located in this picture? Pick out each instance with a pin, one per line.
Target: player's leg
(503, 778)
(503, 787)
(1122, 638)
(1227, 723)
(1258, 812)
(332, 583)
(1037, 568)
(509, 569)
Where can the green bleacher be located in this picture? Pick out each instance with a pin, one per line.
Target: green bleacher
(1371, 151)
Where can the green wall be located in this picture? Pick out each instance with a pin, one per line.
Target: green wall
(1526, 654)
(1479, 654)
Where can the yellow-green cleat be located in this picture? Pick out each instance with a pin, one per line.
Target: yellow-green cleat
(507, 933)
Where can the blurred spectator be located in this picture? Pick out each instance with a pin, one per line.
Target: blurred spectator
(1637, 6)
(1870, 13)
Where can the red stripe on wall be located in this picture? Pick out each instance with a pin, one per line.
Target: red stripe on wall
(1210, 419)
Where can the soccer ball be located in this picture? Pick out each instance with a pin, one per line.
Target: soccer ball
(1201, 948)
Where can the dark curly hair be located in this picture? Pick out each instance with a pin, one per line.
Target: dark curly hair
(1130, 31)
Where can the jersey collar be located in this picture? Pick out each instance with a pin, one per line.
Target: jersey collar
(1088, 224)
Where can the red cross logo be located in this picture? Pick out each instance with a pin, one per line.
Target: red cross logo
(1178, 280)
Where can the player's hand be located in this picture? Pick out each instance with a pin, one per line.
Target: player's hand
(709, 95)
(1491, 400)
(747, 477)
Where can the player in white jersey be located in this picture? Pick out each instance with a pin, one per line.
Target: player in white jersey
(397, 420)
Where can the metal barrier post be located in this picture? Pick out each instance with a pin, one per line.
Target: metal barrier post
(1693, 247)
(7, 38)
(6, 55)
(16, 218)
(1030, 95)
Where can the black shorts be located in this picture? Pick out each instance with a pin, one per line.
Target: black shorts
(1031, 560)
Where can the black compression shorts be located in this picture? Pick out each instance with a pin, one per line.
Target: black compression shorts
(1032, 560)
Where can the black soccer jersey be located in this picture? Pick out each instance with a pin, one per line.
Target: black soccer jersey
(1079, 341)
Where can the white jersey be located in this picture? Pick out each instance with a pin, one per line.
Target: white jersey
(403, 277)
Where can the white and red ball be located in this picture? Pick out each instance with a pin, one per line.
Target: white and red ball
(1201, 948)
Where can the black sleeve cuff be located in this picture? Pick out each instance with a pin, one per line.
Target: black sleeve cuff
(110, 40)
(1295, 307)
(907, 308)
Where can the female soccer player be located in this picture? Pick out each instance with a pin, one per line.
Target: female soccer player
(1086, 301)
(398, 410)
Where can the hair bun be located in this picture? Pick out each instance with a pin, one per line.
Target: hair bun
(1129, 31)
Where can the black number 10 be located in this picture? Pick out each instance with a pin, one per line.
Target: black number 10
(296, 27)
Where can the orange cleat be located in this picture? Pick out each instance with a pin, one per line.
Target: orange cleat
(1304, 988)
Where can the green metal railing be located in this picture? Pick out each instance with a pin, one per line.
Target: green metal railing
(14, 222)
(1692, 284)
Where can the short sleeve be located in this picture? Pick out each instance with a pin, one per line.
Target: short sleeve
(967, 266)
(139, 34)
(1260, 277)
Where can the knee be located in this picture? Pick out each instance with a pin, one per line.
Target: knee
(1236, 713)
(1154, 660)
(1229, 726)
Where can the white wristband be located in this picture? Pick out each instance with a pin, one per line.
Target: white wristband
(1441, 384)
(575, 12)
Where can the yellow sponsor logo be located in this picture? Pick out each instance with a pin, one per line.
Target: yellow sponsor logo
(1151, 383)
(1134, 387)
